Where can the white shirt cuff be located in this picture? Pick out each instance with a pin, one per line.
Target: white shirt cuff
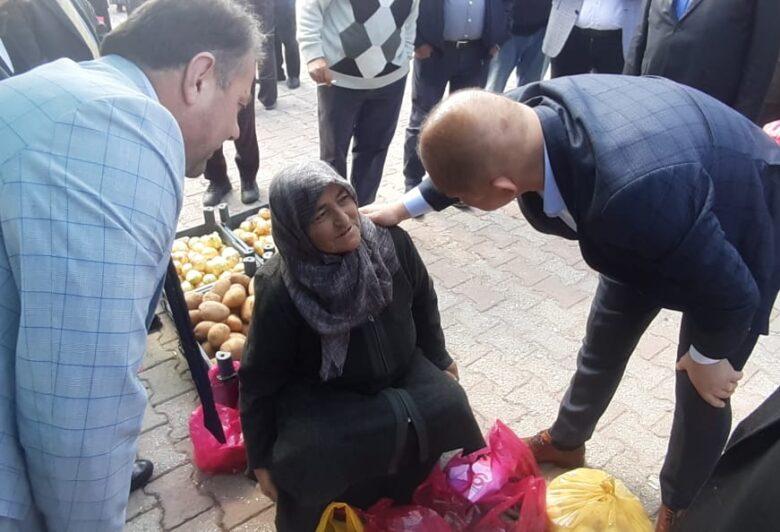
(415, 203)
(701, 359)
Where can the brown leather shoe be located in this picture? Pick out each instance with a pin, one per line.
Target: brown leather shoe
(546, 453)
(667, 519)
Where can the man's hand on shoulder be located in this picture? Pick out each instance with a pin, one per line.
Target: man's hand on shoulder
(386, 214)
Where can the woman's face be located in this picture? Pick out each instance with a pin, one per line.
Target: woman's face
(335, 228)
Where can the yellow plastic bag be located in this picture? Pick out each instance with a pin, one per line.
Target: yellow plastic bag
(589, 500)
(330, 523)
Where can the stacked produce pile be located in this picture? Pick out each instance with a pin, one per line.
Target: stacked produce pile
(202, 260)
(222, 315)
(255, 232)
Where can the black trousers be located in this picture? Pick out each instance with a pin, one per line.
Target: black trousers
(585, 51)
(284, 36)
(367, 118)
(266, 74)
(247, 150)
(619, 315)
(460, 68)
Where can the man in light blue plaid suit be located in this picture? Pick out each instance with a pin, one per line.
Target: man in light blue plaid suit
(92, 160)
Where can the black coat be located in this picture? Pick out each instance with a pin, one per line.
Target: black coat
(726, 48)
(430, 24)
(743, 493)
(39, 32)
(672, 192)
(320, 438)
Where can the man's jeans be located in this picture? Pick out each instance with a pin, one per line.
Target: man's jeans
(523, 52)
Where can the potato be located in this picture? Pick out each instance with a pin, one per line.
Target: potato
(234, 346)
(212, 296)
(234, 297)
(264, 213)
(247, 308)
(209, 278)
(239, 335)
(251, 288)
(240, 278)
(213, 311)
(239, 268)
(196, 316)
(186, 286)
(218, 334)
(258, 247)
(249, 238)
(193, 277)
(235, 323)
(222, 286)
(209, 349)
(209, 252)
(202, 330)
(193, 300)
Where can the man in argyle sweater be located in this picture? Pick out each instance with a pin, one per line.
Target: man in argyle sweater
(358, 53)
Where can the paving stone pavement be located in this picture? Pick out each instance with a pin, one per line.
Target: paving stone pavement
(514, 304)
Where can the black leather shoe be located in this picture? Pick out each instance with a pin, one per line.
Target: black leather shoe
(270, 106)
(215, 192)
(294, 83)
(142, 472)
(250, 193)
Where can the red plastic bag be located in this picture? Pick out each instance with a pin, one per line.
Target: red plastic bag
(384, 517)
(483, 472)
(523, 500)
(437, 494)
(213, 457)
(502, 480)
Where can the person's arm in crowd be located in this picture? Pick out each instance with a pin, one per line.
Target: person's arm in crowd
(409, 30)
(102, 221)
(265, 368)
(666, 219)
(760, 58)
(422, 199)
(310, 20)
(636, 52)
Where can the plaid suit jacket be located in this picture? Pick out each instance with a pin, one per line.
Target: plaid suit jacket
(672, 192)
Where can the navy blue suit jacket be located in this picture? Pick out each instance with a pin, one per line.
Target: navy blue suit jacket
(430, 24)
(673, 193)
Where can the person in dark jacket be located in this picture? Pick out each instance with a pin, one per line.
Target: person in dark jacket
(454, 45)
(348, 392)
(523, 49)
(743, 491)
(673, 197)
(284, 39)
(726, 48)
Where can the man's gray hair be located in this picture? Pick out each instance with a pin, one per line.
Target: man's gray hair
(167, 34)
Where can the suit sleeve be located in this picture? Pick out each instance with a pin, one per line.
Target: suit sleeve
(425, 305)
(265, 368)
(666, 221)
(760, 58)
(433, 197)
(636, 52)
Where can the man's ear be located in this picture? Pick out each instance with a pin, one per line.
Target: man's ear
(505, 184)
(200, 73)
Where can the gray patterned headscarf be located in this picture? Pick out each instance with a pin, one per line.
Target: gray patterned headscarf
(333, 293)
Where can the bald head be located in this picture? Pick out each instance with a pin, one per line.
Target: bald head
(475, 136)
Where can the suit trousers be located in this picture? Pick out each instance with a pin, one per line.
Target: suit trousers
(618, 317)
(285, 37)
(368, 118)
(247, 150)
(590, 51)
(461, 68)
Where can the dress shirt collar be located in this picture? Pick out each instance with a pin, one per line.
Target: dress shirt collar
(552, 201)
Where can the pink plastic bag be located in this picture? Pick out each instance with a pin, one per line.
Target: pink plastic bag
(213, 457)
(503, 479)
(483, 472)
(773, 130)
(384, 517)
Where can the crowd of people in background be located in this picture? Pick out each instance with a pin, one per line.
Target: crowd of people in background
(360, 55)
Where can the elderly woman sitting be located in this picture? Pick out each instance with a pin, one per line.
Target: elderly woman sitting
(347, 390)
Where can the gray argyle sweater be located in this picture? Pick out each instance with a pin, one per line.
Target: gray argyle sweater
(367, 43)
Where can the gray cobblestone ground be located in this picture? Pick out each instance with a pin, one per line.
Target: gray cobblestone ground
(514, 304)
